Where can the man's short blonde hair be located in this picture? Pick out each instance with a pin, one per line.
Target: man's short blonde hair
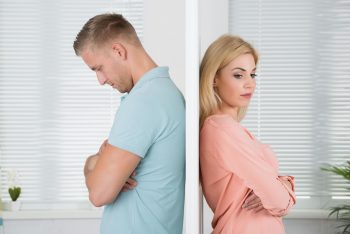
(104, 28)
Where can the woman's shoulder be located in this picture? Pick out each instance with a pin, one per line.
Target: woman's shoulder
(220, 121)
(226, 125)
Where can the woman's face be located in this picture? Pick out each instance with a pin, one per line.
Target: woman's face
(235, 83)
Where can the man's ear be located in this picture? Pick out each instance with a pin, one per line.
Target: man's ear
(119, 50)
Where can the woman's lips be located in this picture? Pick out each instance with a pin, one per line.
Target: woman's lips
(247, 95)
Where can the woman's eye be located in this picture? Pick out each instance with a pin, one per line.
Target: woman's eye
(253, 75)
(237, 76)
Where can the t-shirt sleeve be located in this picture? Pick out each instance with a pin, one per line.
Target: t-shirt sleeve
(236, 152)
(135, 127)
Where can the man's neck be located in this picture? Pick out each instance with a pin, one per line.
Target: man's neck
(141, 65)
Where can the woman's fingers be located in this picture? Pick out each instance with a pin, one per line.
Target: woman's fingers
(259, 208)
(250, 198)
(253, 202)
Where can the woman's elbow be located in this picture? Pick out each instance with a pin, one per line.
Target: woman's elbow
(281, 209)
(277, 212)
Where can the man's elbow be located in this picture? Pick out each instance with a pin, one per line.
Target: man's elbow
(100, 199)
(95, 201)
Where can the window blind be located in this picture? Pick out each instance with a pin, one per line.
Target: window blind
(301, 105)
(53, 112)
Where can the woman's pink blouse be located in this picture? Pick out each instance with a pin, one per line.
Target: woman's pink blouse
(233, 163)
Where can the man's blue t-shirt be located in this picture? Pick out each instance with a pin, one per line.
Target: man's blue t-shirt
(150, 123)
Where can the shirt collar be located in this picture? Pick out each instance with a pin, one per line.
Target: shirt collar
(157, 72)
(154, 73)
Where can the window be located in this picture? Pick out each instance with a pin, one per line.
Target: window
(302, 101)
(53, 113)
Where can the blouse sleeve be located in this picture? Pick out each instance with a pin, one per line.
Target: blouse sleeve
(236, 152)
(291, 193)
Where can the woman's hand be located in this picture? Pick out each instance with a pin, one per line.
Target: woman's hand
(253, 202)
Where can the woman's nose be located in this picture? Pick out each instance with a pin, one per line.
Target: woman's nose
(249, 82)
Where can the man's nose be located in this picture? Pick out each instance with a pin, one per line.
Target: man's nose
(101, 78)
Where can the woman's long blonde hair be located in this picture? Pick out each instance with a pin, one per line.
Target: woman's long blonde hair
(219, 54)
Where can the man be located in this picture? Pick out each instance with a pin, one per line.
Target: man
(148, 134)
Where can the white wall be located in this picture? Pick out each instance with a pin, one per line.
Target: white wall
(52, 226)
(164, 36)
(310, 226)
(213, 21)
(164, 31)
(91, 226)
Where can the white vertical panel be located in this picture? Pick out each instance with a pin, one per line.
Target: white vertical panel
(192, 198)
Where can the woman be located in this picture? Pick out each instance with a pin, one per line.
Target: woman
(239, 174)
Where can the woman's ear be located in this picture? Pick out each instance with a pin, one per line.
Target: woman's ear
(119, 50)
(215, 81)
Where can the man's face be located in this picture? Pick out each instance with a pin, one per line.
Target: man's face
(110, 67)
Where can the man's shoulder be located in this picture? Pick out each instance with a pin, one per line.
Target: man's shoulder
(156, 93)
